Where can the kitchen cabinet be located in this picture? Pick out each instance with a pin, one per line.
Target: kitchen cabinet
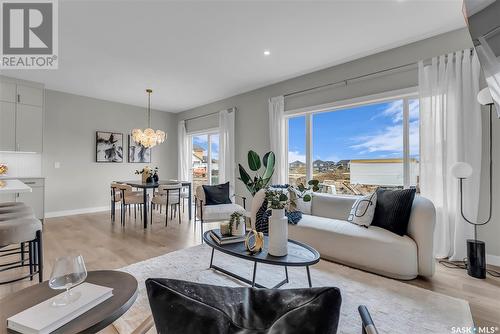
(35, 198)
(21, 116)
(7, 126)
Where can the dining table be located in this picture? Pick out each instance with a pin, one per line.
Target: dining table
(153, 185)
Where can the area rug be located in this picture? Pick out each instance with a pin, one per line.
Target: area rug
(396, 307)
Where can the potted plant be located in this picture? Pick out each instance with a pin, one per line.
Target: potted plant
(277, 200)
(258, 181)
(302, 195)
(237, 223)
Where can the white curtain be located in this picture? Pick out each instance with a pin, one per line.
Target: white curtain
(490, 64)
(184, 148)
(450, 131)
(277, 136)
(226, 148)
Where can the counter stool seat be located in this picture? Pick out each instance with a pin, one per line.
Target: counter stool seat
(20, 231)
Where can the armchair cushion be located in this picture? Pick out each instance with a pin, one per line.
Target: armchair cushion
(185, 307)
(219, 212)
(217, 194)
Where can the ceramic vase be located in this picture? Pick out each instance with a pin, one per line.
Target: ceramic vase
(240, 230)
(145, 176)
(278, 233)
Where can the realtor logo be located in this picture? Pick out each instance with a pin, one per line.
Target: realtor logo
(29, 34)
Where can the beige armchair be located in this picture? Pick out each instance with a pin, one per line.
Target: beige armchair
(214, 213)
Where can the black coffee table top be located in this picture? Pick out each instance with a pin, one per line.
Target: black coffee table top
(299, 254)
(124, 294)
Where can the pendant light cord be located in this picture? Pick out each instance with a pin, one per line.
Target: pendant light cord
(149, 107)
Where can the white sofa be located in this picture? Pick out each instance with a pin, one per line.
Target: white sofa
(371, 249)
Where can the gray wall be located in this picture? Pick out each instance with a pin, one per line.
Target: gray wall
(252, 130)
(69, 138)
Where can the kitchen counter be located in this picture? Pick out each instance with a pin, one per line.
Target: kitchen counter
(13, 186)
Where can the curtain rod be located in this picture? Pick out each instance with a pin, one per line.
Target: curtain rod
(364, 76)
(233, 109)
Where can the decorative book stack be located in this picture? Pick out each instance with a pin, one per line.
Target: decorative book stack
(225, 239)
(46, 317)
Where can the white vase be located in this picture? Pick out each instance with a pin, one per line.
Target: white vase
(240, 230)
(278, 233)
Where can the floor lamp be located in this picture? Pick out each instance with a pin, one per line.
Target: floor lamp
(476, 249)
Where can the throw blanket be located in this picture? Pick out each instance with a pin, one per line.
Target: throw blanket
(263, 214)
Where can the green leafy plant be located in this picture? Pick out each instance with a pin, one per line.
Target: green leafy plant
(235, 218)
(302, 190)
(276, 199)
(257, 182)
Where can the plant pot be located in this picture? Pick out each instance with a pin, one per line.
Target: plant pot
(278, 233)
(240, 230)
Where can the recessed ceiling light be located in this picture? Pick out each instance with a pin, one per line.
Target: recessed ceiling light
(267, 52)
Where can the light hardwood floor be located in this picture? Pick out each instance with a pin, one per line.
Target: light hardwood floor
(110, 246)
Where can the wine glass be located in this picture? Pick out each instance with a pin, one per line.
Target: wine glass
(68, 272)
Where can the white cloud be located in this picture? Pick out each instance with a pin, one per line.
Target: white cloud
(295, 155)
(389, 140)
(395, 110)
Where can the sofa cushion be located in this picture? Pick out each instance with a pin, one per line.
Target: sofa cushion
(393, 209)
(373, 249)
(217, 194)
(362, 210)
(186, 307)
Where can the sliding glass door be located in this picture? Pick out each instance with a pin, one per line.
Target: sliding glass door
(205, 158)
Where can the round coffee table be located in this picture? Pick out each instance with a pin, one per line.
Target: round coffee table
(299, 255)
(124, 294)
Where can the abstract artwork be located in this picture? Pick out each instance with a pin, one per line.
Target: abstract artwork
(137, 152)
(108, 146)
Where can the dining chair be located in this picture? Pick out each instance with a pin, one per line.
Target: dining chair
(116, 197)
(170, 196)
(128, 198)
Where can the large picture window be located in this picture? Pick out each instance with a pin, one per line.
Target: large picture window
(356, 149)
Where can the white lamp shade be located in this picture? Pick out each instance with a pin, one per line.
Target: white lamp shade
(461, 170)
(484, 97)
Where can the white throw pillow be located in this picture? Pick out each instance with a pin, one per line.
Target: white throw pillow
(363, 210)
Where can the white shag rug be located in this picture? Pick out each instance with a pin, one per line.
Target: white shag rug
(396, 307)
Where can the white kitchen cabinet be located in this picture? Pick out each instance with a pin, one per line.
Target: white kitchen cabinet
(35, 198)
(29, 128)
(21, 115)
(32, 96)
(7, 126)
(8, 92)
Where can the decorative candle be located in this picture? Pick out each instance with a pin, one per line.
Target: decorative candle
(224, 228)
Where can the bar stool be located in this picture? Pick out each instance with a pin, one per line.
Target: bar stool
(18, 227)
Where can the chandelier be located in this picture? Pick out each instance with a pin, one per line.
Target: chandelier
(149, 137)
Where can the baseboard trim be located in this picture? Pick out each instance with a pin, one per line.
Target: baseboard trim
(63, 213)
(493, 260)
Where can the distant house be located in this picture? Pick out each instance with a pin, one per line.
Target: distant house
(323, 166)
(382, 172)
(342, 164)
(297, 164)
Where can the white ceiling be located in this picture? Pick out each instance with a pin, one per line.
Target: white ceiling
(195, 52)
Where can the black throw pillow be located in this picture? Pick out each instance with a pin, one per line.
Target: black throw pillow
(393, 209)
(218, 194)
(186, 307)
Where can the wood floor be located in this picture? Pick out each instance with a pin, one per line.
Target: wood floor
(110, 246)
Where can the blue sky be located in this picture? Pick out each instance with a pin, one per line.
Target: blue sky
(370, 131)
(202, 141)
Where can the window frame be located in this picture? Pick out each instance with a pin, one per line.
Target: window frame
(405, 94)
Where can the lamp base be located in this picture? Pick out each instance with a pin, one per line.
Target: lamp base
(476, 258)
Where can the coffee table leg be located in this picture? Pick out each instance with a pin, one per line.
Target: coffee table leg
(254, 272)
(309, 276)
(212, 257)
(286, 273)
